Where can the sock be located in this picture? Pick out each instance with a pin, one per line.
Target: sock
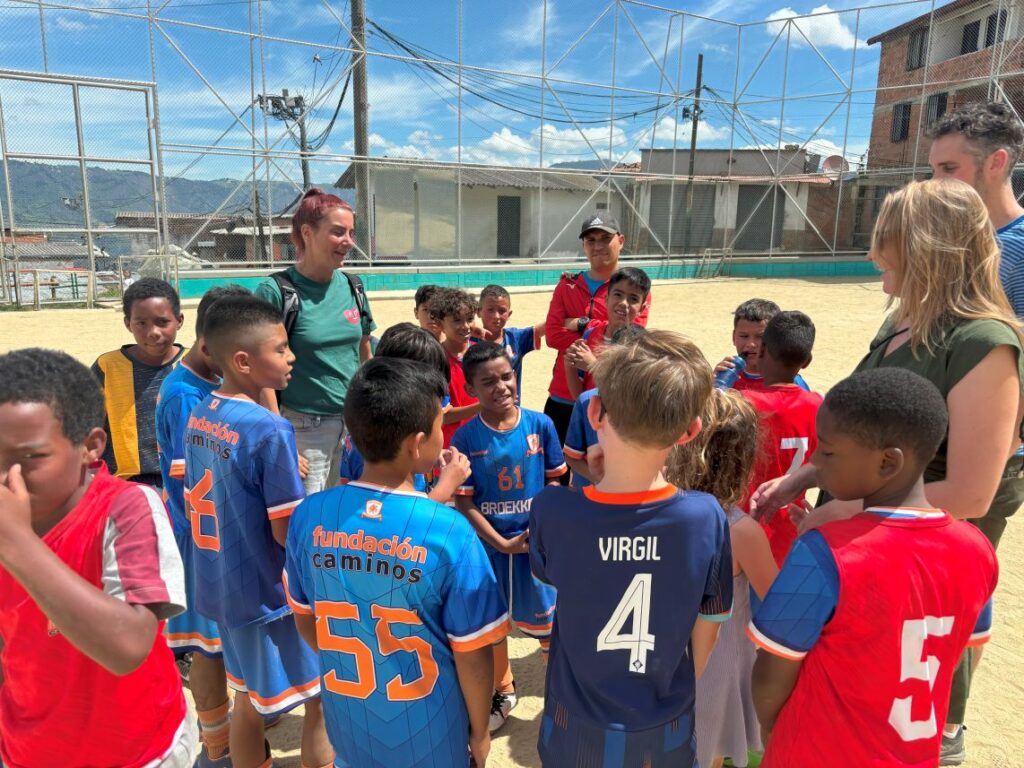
(214, 731)
(503, 681)
(951, 733)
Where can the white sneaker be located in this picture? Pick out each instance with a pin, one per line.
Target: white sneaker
(501, 705)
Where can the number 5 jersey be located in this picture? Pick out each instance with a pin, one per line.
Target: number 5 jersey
(878, 609)
(634, 573)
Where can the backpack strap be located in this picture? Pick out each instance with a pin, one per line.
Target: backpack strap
(362, 303)
(289, 300)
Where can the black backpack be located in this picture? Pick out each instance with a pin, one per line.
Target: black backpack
(290, 300)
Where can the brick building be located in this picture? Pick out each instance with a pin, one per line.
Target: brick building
(928, 66)
(938, 62)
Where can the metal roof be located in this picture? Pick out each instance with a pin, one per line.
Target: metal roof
(486, 176)
(48, 250)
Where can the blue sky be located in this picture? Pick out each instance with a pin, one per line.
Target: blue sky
(589, 46)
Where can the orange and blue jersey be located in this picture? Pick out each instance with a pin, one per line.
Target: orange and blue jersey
(517, 342)
(241, 472)
(580, 437)
(510, 467)
(182, 390)
(634, 573)
(398, 584)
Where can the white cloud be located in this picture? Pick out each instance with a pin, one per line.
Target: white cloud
(70, 25)
(528, 31)
(824, 27)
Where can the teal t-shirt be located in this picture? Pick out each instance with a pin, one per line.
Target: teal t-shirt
(325, 341)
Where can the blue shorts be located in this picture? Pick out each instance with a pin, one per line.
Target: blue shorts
(272, 663)
(530, 602)
(566, 740)
(189, 632)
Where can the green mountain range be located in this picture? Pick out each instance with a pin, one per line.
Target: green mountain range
(50, 195)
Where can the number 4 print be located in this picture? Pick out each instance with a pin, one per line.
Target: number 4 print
(635, 603)
(914, 666)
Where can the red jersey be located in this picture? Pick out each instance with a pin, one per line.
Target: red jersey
(788, 438)
(572, 298)
(457, 395)
(874, 689)
(59, 707)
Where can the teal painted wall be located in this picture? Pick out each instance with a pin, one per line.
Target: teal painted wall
(194, 287)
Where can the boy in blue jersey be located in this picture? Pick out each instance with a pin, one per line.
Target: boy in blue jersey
(395, 590)
(242, 483)
(513, 453)
(495, 311)
(195, 377)
(643, 570)
(409, 342)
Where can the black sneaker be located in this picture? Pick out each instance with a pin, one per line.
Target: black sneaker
(953, 750)
(501, 705)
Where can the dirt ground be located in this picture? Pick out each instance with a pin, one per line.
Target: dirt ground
(846, 313)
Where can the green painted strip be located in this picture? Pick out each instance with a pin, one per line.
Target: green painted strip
(194, 287)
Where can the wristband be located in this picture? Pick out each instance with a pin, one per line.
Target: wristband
(581, 324)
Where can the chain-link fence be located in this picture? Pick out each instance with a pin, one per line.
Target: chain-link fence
(181, 133)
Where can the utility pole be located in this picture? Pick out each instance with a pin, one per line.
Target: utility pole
(285, 108)
(693, 151)
(259, 228)
(360, 128)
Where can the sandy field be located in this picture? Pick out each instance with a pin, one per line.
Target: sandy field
(846, 313)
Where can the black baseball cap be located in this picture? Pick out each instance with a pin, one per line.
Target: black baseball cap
(600, 221)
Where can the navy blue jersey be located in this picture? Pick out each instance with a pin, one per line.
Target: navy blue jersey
(634, 572)
(517, 342)
(241, 472)
(509, 467)
(181, 391)
(580, 437)
(398, 584)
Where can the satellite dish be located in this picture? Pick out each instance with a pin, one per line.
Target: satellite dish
(834, 167)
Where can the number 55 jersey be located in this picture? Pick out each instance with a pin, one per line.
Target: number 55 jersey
(634, 573)
(398, 584)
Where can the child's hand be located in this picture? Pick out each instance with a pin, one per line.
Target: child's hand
(518, 545)
(303, 467)
(477, 331)
(15, 508)
(585, 358)
(572, 353)
(833, 510)
(725, 365)
(455, 465)
(479, 748)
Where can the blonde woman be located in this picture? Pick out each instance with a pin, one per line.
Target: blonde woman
(951, 323)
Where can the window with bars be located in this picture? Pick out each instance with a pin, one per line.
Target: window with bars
(995, 28)
(917, 48)
(969, 41)
(900, 122)
(936, 107)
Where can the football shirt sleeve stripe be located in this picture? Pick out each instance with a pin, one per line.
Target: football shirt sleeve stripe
(296, 605)
(573, 453)
(141, 563)
(486, 635)
(557, 471)
(282, 510)
(765, 643)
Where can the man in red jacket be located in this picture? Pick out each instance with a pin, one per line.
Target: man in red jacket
(579, 299)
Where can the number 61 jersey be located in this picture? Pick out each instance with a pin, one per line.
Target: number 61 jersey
(634, 572)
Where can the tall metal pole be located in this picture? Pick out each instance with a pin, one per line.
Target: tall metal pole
(304, 150)
(360, 127)
(693, 151)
